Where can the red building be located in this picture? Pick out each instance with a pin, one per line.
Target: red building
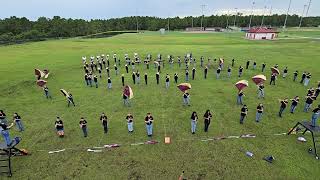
(262, 34)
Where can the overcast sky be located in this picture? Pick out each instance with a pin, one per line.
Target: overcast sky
(105, 9)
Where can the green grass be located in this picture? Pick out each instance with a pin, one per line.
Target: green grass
(200, 160)
(300, 33)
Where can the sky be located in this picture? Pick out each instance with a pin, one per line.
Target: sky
(105, 9)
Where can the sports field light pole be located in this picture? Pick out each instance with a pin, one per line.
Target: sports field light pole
(168, 24)
(251, 14)
(202, 7)
(285, 21)
(308, 8)
(137, 20)
(235, 17)
(192, 21)
(227, 19)
(137, 24)
(304, 8)
(264, 11)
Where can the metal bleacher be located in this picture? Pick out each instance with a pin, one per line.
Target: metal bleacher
(6, 152)
(5, 160)
(315, 133)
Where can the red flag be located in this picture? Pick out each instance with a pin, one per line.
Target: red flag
(128, 92)
(41, 82)
(184, 86)
(259, 79)
(275, 71)
(242, 84)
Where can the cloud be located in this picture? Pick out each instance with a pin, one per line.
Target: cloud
(247, 12)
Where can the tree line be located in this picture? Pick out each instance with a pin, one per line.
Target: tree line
(15, 29)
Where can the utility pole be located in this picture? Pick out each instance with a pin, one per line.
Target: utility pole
(137, 20)
(264, 11)
(192, 21)
(285, 21)
(251, 14)
(235, 17)
(308, 8)
(304, 8)
(202, 7)
(137, 24)
(227, 19)
(168, 24)
(270, 13)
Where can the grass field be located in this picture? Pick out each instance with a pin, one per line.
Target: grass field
(200, 160)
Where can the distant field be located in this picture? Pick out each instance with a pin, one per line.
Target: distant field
(200, 160)
(301, 33)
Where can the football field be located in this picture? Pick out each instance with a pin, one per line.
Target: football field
(199, 157)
